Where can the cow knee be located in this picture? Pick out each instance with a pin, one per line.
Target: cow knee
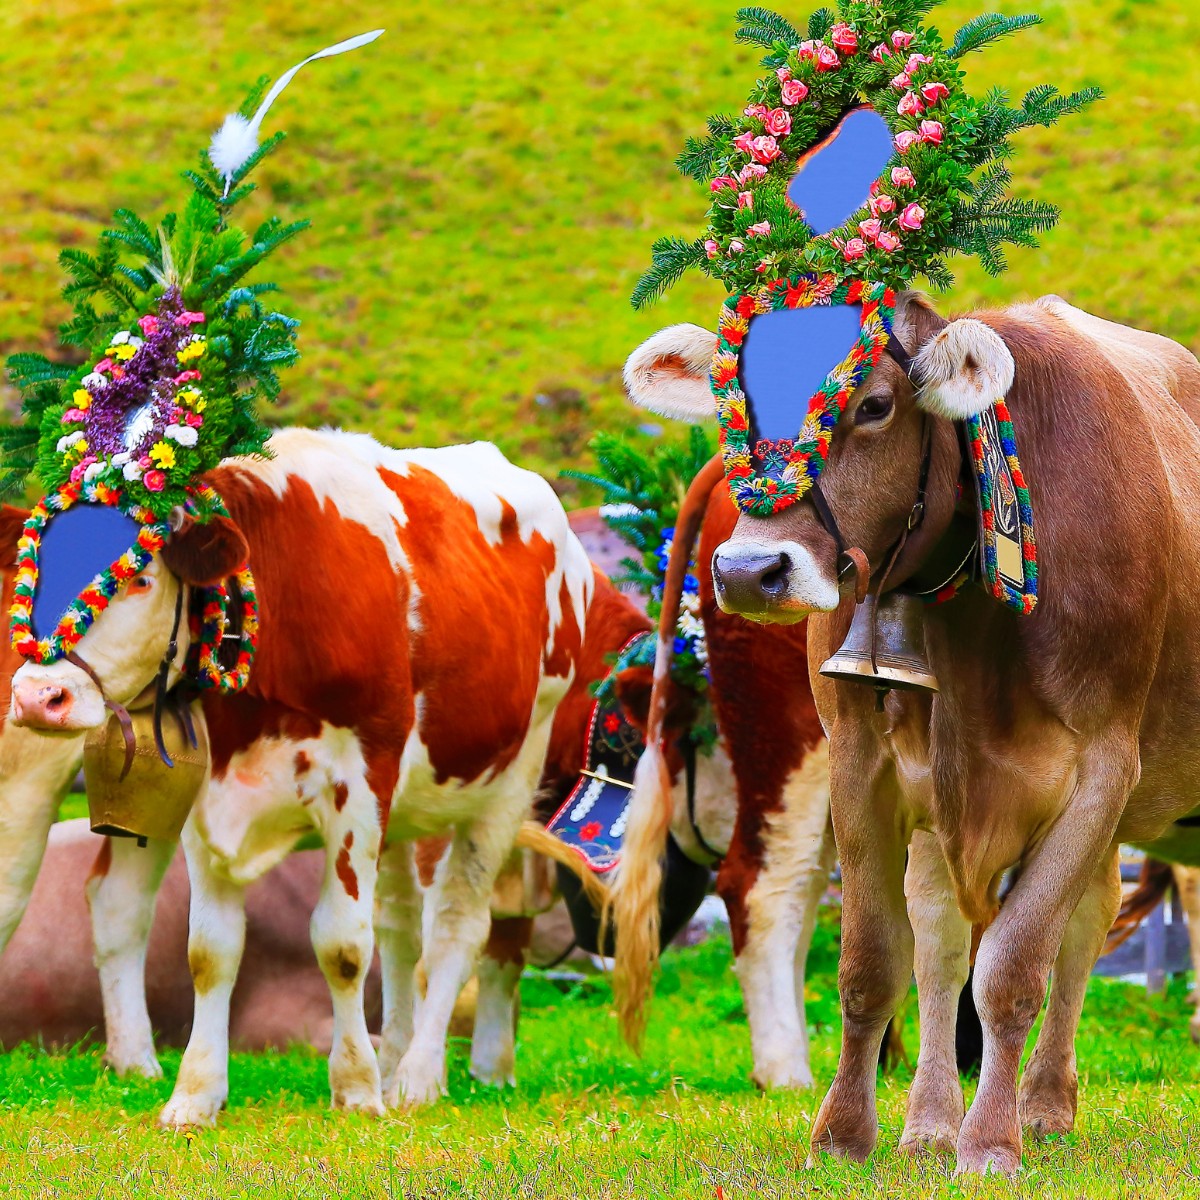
(210, 966)
(1008, 996)
(344, 963)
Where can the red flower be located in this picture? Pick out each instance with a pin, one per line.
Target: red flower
(612, 723)
(745, 306)
(590, 831)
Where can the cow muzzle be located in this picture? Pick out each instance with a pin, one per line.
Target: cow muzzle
(55, 699)
(771, 581)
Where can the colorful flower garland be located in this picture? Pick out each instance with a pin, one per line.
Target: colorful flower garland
(94, 599)
(801, 461)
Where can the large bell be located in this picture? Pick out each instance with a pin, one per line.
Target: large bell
(153, 800)
(885, 646)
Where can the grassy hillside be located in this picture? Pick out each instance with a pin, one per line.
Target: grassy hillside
(485, 182)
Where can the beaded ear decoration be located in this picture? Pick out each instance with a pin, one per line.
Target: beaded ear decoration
(859, 164)
(181, 349)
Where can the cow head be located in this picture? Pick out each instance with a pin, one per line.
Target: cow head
(125, 646)
(785, 566)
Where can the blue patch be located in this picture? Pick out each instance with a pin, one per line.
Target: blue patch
(833, 182)
(77, 545)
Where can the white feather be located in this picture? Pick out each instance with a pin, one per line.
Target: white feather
(237, 139)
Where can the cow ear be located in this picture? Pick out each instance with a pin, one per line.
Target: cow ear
(963, 371)
(916, 322)
(204, 555)
(668, 374)
(12, 522)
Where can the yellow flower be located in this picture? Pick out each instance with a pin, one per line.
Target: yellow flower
(81, 447)
(200, 406)
(124, 351)
(163, 454)
(192, 350)
(187, 395)
(82, 398)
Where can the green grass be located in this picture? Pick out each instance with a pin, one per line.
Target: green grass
(485, 182)
(589, 1121)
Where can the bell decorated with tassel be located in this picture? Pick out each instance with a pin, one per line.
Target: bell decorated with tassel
(141, 795)
(885, 646)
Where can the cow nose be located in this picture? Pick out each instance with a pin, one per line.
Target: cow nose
(41, 706)
(751, 580)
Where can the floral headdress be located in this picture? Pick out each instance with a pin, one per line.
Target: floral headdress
(859, 164)
(180, 349)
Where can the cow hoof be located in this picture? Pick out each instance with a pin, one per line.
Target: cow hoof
(780, 1077)
(1048, 1109)
(994, 1160)
(495, 1076)
(366, 1102)
(143, 1066)
(935, 1114)
(190, 1112)
(928, 1142)
(416, 1084)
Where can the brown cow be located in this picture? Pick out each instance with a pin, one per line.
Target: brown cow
(1055, 736)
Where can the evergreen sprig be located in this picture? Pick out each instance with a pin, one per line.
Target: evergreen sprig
(987, 28)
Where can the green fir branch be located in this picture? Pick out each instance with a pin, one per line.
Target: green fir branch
(987, 28)
(762, 27)
(670, 258)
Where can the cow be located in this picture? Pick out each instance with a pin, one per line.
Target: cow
(1055, 735)
(422, 613)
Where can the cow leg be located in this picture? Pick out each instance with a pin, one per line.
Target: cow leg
(877, 942)
(1018, 949)
(216, 938)
(1049, 1087)
(1187, 880)
(459, 919)
(344, 941)
(772, 922)
(121, 893)
(398, 931)
(493, 1049)
(943, 944)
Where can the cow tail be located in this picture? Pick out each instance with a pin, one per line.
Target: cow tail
(540, 840)
(1153, 884)
(632, 904)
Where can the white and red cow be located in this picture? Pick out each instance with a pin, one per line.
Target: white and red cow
(422, 614)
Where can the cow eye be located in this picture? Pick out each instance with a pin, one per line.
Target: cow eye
(141, 583)
(877, 407)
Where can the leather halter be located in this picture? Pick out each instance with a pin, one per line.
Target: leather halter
(157, 690)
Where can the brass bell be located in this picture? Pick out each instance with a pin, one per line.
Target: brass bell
(885, 646)
(153, 800)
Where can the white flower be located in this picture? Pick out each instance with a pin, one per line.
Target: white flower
(132, 472)
(119, 460)
(68, 440)
(185, 435)
(135, 342)
(94, 380)
(120, 338)
(97, 468)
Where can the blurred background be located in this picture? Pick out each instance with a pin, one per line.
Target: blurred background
(485, 183)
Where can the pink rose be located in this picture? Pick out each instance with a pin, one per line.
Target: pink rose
(104, 366)
(783, 74)
(745, 200)
(807, 50)
(844, 38)
(913, 217)
(854, 248)
(74, 416)
(881, 204)
(901, 81)
(914, 62)
(827, 59)
(903, 177)
(755, 110)
(932, 132)
(765, 149)
(721, 181)
(743, 141)
(736, 246)
(901, 40)
(155, 481)
(778, 122)
(906, 139)
(81, 467)
(190, 318)
(148, 325)
(794, 91)
(711, 248)
(751, 171)
(933, 92)
(187, 376)
(195, 420)
(887, 241)
(145, 463)
(880, 53)
(871, 229)
(910, 105)
(760, 230)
